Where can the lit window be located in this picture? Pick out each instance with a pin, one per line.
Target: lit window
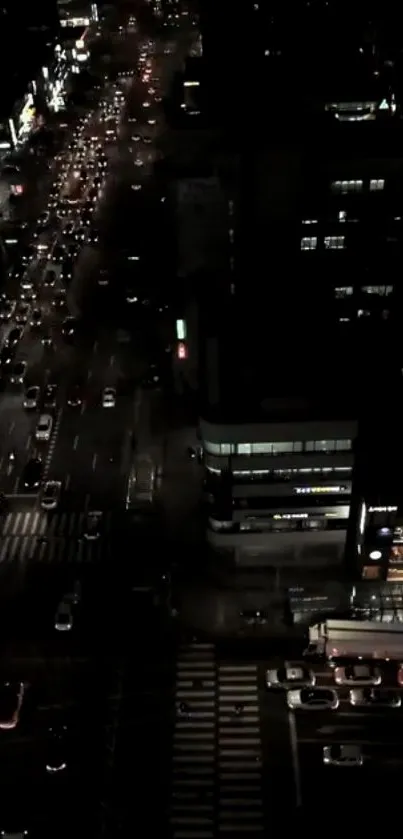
(309, 243)
(334, 243)
(342, 215)
(346, 186)
(376, 184)
(363, 313)
(309, 221)
(343, 291)
(379, 290)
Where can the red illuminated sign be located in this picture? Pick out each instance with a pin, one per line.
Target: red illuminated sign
(182, 351)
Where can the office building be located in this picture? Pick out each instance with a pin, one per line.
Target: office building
(279, 423)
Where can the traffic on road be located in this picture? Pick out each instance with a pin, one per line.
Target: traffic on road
(85, 343)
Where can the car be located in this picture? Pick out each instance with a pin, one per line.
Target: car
(64, 616)
(93, 238)
(14, 336)
(50, 396)
(66, 274)
(47, 340)
(93, 525)
(36, 318)
(44, 427)
(7, 309)
(292, 675)
(374, 698)
(58, 254)
(68, 229)
(69, 327)
(56, 748)
(108, 397)
(18, 372)
(51, 495)
(313, 699)
(27, 290)
(74, 397)
(32, 397)
(32, 474)
(6, 356)
(360, 675)
(11, 699)
(59, 300)
(28, 255)
(22, 313)
(49, 278)
(343, 755)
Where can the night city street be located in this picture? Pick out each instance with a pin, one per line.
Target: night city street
(201, 549)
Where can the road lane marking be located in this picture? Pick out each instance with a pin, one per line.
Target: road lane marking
(94, 462)
(15, 490)
(28, 443)
(95, 347)
(75, 442)
(89, 374)
(111, 361)
(67, 482)
(11, 427)
(295, 758)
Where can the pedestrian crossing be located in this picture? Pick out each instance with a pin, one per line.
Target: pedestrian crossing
(69, 524)
(37, 536)
(217, 751)
(22, 549)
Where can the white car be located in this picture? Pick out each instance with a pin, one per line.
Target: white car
(340, 755)
(44, 427)
(31, 398)
(50, 495)
(108, 397)
(313, 699)
(64, 617)
(292, 675)
(359, 675)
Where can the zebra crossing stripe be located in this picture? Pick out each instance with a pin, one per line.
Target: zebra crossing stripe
(42, 523)
(240, 800)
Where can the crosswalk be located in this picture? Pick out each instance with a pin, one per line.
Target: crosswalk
(69, 524)
(37, 536)
(217, 752)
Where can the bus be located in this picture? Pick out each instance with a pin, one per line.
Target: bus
(337, 640)
(141, 485)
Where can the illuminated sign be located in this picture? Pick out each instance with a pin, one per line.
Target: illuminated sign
(181, 330)
(286, 516)
(375, 555)
(363, 517)
(191, 84)
(75, 21)
(382, 509)
(182, 351)
(319, 490)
